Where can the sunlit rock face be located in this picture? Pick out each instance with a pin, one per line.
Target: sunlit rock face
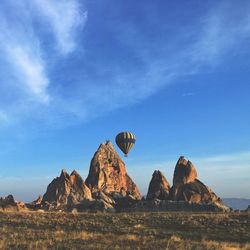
(159, 187)
(184, 172)
(108, 173)
(186, 186)
(67, 189)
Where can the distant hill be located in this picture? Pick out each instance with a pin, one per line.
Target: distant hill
(236, 203)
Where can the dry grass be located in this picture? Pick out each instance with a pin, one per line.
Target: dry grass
(124, 231)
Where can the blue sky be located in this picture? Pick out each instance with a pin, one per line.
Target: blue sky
(75, 73)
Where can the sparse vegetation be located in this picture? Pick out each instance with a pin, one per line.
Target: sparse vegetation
(175, 230)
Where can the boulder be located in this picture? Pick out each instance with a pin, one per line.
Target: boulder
(107, 173)
(159, 187)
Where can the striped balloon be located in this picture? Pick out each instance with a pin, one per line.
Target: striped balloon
(125, 141)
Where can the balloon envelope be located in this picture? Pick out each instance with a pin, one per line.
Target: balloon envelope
(125, 141)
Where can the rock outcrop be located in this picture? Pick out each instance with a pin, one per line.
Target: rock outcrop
(108, 174)
(36, 204)
(7, 201)
(70, 193)
(184, 172)
(66, 190)
(9, 204)
(108, 188)
(157, 205)
(186, 186)
(38, 201)
(100, 202)
(159, 187)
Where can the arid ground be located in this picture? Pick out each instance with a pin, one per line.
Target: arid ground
(173, 230)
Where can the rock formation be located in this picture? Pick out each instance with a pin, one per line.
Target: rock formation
(186, 186)
(108, 188)
(108, 174)
(100, 202)
(38, 201)
(157, 205)
(158, 187)
(67, 190)
(36, 204)
(184, 172)
(9, 203)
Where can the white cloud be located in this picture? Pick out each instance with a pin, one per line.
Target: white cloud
(65, 18)
(222, 30)
(25, 65)
(211, 43)
(31, 69)
(21, 50)
(212, 40)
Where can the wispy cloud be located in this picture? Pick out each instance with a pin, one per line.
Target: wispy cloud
(222, 30)
(25, 63)
(22, 52)
(31, 69)
(211, 41)
(65, 18)
(27, 46)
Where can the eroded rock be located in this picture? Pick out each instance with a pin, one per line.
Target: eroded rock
(9, 204)
(107, 173)
(159, 187)
(186, 186)
(66, 190)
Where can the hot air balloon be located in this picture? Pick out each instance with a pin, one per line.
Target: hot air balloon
(125, 141)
